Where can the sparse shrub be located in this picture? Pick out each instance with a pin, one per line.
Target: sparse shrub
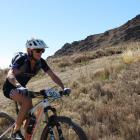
(84, 90)
(59, 63)
(102, 74)
(82, 78)
(81, 59)
(130, 131)
(100, 53)
(91, 75)
(74, 84)
(63, 64)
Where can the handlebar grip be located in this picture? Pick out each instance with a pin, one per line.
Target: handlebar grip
(61, 93)
(66, 93)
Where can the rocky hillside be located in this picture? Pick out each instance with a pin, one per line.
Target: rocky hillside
(129, 32)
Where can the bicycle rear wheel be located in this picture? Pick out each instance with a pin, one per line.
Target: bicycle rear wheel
(6, 125)
(70, 130)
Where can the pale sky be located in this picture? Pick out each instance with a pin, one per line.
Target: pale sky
(58, 22)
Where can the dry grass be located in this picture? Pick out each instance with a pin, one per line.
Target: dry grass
(82, 58)
(129, 56)
(105, 108)
(106, 100)
(2, 76)
(105, 97)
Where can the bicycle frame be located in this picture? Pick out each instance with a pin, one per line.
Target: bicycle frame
(53, 127)
(39, 108)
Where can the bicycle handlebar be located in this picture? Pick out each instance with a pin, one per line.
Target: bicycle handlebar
(47, 93)
(50, 93)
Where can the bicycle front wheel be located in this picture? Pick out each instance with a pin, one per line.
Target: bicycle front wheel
(6, 125)
(70, 130)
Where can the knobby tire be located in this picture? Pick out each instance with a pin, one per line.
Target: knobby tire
(6, 121)
(76, 132)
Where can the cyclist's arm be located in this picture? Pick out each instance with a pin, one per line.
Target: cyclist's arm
(11, 77)
(55, 78)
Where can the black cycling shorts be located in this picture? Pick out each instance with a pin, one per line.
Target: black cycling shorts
(7, 87)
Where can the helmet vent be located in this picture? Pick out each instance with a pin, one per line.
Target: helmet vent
(34, 43)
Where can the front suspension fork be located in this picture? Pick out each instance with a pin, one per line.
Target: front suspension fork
(52, 122)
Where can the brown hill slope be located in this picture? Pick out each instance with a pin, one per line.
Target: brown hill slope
(129, 32)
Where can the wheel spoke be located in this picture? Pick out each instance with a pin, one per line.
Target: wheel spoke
(6, 125)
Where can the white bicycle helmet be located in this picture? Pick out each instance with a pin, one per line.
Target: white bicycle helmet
(36, 44)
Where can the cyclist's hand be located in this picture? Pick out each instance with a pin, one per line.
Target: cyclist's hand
(67, 91)
(22, 90)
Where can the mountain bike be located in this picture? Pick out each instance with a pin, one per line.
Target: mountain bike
(55, 127)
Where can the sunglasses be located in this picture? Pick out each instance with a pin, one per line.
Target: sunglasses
(39, 50)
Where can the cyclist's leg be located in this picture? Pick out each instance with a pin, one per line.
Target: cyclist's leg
(26, 104)
(26, 135)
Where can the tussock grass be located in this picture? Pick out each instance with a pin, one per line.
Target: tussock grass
(63, 64)
(130, 56)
